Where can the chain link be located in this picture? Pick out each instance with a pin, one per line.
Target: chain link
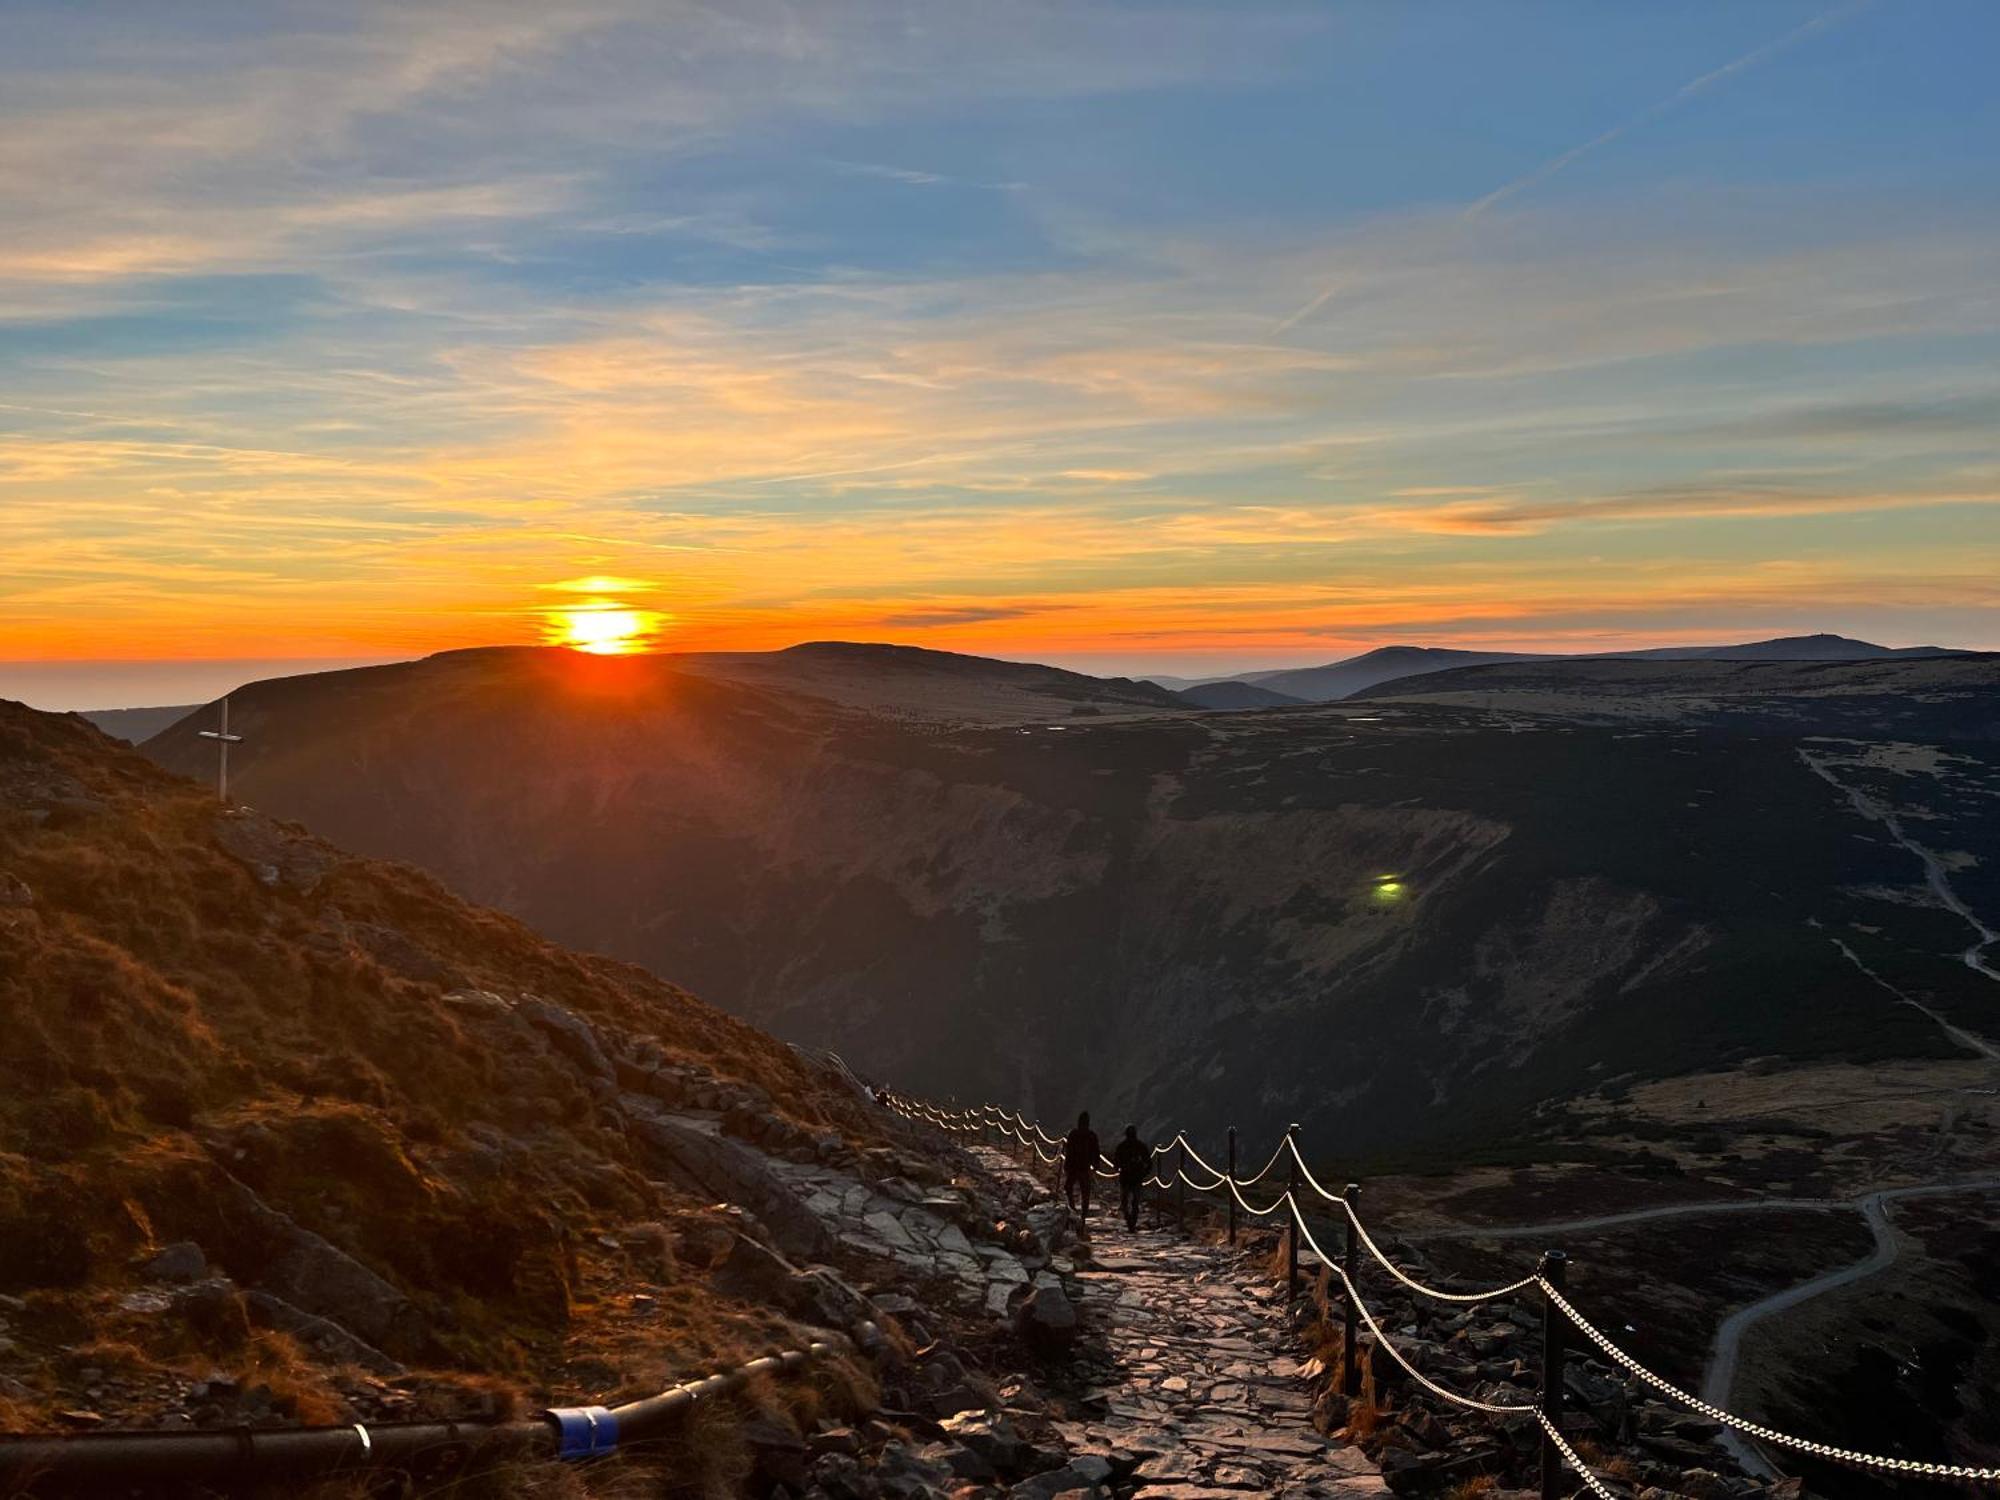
(1417, 1286)
(1757, 1430)
(1597, 1486)
(1381, 1338)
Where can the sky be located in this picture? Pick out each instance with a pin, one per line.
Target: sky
(1135, 337)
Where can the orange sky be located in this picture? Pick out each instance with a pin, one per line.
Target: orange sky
(1192, 341)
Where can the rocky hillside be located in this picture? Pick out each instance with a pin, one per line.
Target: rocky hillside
(290, 1134)
(1403, 926)
(295, 1137)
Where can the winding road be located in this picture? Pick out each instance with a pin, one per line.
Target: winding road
(1718, 1381)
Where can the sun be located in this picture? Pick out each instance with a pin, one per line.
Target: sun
(604, 627)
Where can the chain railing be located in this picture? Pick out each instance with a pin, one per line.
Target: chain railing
(1559, 1313)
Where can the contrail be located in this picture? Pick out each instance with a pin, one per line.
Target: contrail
(1673, 101)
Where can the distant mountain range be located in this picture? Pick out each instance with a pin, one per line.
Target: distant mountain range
(1342, 679)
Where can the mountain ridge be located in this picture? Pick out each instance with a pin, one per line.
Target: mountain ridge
(1119, 902)
(1349, 675)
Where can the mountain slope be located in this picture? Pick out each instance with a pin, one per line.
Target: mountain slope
(1236, 697)
(375, 1126)
(136, 725)
(1413, 925)
(1340, 679)
(1357, 674)
(1927, 699)
(933, 686)
(1821, 647)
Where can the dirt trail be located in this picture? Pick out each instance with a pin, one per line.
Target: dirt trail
(1935, 874)
(1718, 1381)
(1629, 1216)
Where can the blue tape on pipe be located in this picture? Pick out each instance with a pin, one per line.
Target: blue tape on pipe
(583, 1431)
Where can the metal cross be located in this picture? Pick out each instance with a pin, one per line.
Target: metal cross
(223, 740)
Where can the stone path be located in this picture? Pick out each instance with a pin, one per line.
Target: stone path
(1188, 1374)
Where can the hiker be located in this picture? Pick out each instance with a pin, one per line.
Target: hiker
(1134, 1160)
(1080, 1153)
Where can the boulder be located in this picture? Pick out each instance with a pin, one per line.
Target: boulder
(827, 1298)
(333, 1344)
(291, 1262)
(756, 1273)
(1047, 1319)
(481, 1003)
(279, 857)
(778, 1456)
(573, 1036)
(314, 1274)
(180, 1263)
(1085, 1473)
(993, 1436)
(726, 1170)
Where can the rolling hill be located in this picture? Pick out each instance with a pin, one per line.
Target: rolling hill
(1922, 698)
(1357, 674)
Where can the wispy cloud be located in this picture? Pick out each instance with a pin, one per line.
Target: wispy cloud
(376, 333)
(928, 619)
(1693, 88)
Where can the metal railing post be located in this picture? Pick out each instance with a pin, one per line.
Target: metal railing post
(1554, 1268)
(1350, 1371)
(1292, 1229)
(1232, 1184)
(1180, 1188)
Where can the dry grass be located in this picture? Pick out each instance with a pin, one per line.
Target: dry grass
(1473, 1488)
(1364, 1415)
(177, 1035)
(1611, 1465)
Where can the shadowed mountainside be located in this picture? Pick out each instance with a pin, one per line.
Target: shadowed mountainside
(1341, 679)
(1924, 699)
(1235, 697)
(326, 1106)
(1401, 924)
(136, 725)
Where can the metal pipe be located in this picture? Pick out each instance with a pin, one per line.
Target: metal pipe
(92, 1463)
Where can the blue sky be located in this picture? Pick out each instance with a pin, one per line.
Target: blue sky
(1136, 336)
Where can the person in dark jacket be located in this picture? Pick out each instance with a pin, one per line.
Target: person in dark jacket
(1080, 1153)
(1134, 1160)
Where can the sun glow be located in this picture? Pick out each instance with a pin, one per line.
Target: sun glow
(604, 627)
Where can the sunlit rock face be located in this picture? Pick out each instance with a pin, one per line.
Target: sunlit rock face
(1394, 920)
